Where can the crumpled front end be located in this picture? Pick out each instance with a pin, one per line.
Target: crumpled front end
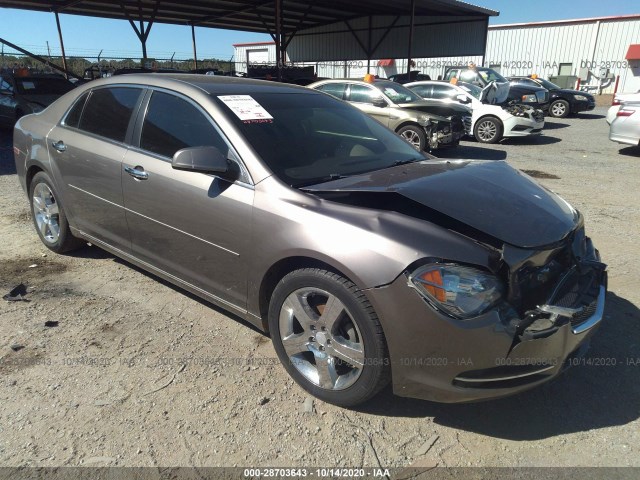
(554, 302)
(443, 134)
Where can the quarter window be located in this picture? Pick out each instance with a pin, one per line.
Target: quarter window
(172, 124)
(73, 117)
(108, 111)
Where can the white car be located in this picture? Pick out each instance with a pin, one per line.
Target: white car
(618, 100)
(490, 122)
(625, 127)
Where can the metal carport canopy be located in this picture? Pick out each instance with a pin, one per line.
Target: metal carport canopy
(368, 27)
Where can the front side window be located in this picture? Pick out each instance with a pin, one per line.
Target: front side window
(362, 94)
(172, 124)
(423, 90)
(443, 91)
(310, 138)
(108, 112)
(5, 85)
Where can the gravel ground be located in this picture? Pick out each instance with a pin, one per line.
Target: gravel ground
(137, 373)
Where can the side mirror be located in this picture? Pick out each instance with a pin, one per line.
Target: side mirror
(462, 98)
(379, 102)
(205, 160)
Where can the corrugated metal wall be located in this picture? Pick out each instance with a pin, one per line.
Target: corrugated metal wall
(241, 55)
(432, 37)
(585, 48)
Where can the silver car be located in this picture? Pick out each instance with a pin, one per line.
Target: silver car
(625, 124)
(365, 261)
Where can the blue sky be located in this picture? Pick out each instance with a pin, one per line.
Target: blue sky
(86, 36)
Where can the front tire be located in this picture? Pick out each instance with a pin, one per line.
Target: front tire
(49, 216)
(328, 337)
(559, 109)
(415, 135)
(488, 130)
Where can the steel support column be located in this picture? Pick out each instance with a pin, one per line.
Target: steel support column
(278, 20)
(195, 51)
(64, 56)
(411, 26)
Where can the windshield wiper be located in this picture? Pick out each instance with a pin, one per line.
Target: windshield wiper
(327, 178)
(397, 163)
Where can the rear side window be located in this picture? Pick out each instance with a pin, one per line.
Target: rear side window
(172, 124)
(333, 89)
(442, 91)
(423, 90)
(108, 111)
(73, 117)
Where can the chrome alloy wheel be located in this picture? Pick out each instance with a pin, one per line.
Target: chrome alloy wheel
(46, 213)
(558, 109)
(412, 137)
(321, 339)
(487, 130)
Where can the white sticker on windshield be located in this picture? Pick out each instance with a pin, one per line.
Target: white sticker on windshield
(246, 108)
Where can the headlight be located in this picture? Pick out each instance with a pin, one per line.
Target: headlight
(35, 108)
(530, 98)
(463, 292)
(424, 120)
(582, 98)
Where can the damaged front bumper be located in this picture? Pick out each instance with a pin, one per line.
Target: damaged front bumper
(445, 135)
(502, 352)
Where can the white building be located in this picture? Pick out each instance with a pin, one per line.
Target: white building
(599, 51)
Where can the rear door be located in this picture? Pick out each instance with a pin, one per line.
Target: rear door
(87, 149)
(191, 225)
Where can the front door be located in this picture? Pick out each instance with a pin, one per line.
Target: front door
(363, 97)
(193, 226)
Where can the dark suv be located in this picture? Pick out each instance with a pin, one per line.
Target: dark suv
(532, 95)
(563, 101)
(22, 95)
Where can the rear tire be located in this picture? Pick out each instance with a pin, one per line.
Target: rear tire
(49, 216)
(328, 337)
(415, 135)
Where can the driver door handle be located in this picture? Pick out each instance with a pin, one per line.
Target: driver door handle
(59, 146)
(138, 172)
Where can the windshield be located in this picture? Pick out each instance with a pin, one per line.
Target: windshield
(489, 75)
(43, 86)
(307, 138)
(547, 84)
(396, 92)
(471, 89)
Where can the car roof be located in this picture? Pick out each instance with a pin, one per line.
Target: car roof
(212, 84)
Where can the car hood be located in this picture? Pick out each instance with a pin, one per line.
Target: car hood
(487, 196)
(494, 93)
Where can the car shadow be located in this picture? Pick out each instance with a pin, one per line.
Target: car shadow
(471, 152)
(7, 163)
(589, 115)
(97, 253)
(553, 125)
(531, 140)
(630, 151)
(601, 392)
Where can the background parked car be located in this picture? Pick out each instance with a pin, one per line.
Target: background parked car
(400, 109)
(22, 95)
(403, 78)
(618, 100)
(625, 127)
(489, 123)
(562, 101)
(535, 96)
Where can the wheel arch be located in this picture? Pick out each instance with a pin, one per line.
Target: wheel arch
(283, 267)
(408, 123)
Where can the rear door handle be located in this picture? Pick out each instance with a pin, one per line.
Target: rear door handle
(138, 172)
(59, 146)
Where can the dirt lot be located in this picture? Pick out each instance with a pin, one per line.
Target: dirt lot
(138, 373)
